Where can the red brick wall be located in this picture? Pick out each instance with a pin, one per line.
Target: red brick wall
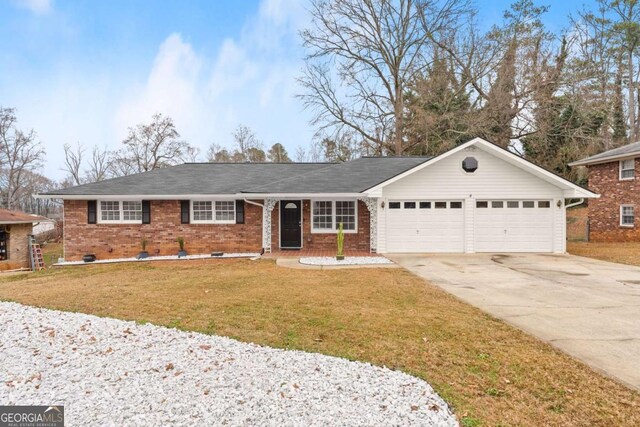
(123, 240)
(604, 213)
(17, 247)
(324, 241)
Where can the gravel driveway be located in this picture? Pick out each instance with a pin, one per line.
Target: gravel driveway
(112, 372)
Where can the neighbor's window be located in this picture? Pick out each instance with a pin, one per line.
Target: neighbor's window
(627, 169)
(328, 214)
(626, 216)
(218, 211)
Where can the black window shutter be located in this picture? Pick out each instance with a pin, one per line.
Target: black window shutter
(184, 211)
(146, 212)
(239, 211)
(92, 211)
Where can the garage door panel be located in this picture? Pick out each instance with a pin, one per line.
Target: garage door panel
(514, 229)
(425, 229)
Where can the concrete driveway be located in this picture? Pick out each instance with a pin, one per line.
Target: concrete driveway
(588, 308)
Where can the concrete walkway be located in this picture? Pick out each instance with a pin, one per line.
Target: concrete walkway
(294, 262)
(588, 308)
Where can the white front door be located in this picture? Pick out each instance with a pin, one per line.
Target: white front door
(425, 226)
(513, 226)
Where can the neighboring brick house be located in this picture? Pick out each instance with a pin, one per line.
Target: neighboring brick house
(15, 229)
(615, 175)
(476, 197)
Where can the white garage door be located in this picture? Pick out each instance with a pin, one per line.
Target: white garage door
(513, 226)
(425, 226)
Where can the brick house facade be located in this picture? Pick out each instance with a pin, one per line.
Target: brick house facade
(112, 240)
(17, 247)
(605, 213)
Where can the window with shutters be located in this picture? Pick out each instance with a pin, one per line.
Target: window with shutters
(213, 211)
(122, 212)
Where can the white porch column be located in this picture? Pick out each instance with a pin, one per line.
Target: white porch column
(372, 206)
(269, 204)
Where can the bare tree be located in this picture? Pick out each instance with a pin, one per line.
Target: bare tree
(73, 162)
(151, 146)
(98, 168)
(626, 27)
(375, 47)
(21, 154)
(248, 146)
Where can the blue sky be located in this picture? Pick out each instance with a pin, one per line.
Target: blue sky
(85, 71)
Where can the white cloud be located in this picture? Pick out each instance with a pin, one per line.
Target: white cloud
(39, 7)
(244, 81)
(250, 80)
(171, 88)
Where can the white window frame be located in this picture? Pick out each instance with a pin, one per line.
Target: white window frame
(334, 227)
(622, 224)
(213, 212)
(621, 169)
(120, 212)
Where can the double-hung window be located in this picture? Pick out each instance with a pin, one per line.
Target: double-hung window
(213, 211)
(627, 169)
(328, 214)
(115, 211)
(627, 216)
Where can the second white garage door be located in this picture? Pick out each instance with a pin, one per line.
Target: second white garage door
(425, 226)
(513, 226)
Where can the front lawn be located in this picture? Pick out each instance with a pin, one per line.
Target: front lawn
(491, 373)
(622, 252)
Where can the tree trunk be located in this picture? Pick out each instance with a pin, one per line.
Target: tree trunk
(399, 123)
(632, 101)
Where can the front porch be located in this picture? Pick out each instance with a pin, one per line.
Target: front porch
(307, 226)
(306, 252)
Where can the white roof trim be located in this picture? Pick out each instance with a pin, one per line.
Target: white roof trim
(197, 196)
(605, 159)
(571, 190)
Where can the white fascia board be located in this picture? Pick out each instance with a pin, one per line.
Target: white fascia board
(199, 196)
(300, 195)
(605, 159)
(503, 154)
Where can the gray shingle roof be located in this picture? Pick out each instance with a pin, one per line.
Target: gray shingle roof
(355, 176)
(231, 178)
(625, 150)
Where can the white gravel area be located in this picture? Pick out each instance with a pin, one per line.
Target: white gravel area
(111, 372)
(161, 258)
(351, 260)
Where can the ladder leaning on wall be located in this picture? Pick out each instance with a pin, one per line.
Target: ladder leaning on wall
(35, 254)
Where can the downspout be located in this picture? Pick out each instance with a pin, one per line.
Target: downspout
(579, 202)
(262, 206)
